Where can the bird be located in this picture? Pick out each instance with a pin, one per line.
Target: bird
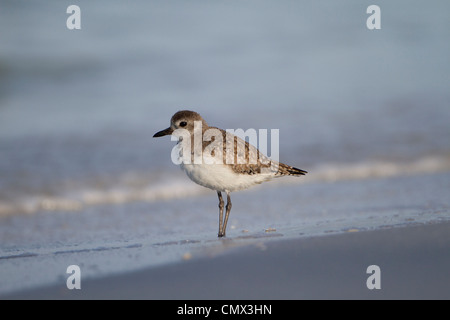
(219, 160)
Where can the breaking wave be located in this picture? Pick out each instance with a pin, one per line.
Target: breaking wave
(181, 187)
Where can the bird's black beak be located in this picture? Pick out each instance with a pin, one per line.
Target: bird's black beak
(164, 132)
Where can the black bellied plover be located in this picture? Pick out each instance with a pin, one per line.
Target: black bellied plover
(219, 160)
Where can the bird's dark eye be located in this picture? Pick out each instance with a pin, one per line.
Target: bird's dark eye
(183, 124)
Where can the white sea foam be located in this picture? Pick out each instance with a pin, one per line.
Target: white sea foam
(380, 169)
(181, 187)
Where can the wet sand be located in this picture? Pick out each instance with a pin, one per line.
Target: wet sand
(414, 263)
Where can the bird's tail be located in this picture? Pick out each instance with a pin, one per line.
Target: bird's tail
(285, 170)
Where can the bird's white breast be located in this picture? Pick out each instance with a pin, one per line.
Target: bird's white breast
(221, 177)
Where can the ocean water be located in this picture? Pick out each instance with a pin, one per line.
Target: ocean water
(78, 109)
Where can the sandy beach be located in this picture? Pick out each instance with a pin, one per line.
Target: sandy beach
(414, 264)
(319, 250)
(389, 222)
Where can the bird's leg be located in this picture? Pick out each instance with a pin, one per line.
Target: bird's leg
(219, 194)
(227, 213)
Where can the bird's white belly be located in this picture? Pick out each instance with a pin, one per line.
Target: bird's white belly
(221, 177)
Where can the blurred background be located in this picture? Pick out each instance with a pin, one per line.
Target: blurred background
(78, 108)
(83, 182)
